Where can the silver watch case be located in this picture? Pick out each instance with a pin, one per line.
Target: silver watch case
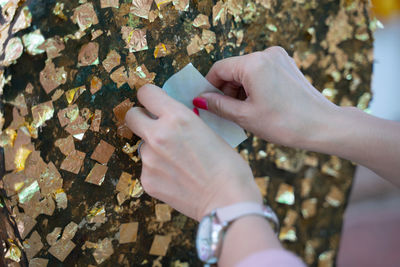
(208, 239)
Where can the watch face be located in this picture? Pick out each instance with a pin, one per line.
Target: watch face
(203, 239)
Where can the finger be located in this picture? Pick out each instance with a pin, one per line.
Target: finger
(226, 70)
(138, 121)
(155, 100)
(223, 106)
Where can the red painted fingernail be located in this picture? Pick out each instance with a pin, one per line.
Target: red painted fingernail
(200, 102)
(195, 110)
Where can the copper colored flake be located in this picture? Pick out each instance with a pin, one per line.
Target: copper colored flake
(121, 109)
(25, 224)
(13, 253)
(58, 11)
(85, 16)
(288, 233)
(73, 94)
(52, 237)
(73, 162)
(335, 197)
(290, 218)
(285, 194)
(208, 37)
(33, 245)
(61, 199)
(161, 3)
(163, 212)
(128, 232)
(88, 55)
(201, 21)
(309, 208)
(140, 76)
(103, 251)
(141, 8)
(32, 42)
(112, 60)
(119, 76)
(181, 5)
(195, 45)
(326, 259)
(29, 88)
(66, 145)
(97, 174)
(96, 121)
(52, 77)
(42, 113)
(109, 3)
(219, 12)
(53, 47)
(135, 39)
(95, 84)
(38, 262)
(68, 115)
(23, 21)
(128, 187)
(96, 34)
(160, 245)
(103, 152)
(57, 94)
(69, 231)
(13, 51)
(62, 249)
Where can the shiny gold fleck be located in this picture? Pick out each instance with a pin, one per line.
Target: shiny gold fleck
(95, 85)
(332, 167)
(285, 194)
(219, 12)
(288, 233)
(97, 214)
(73, 94)
(161, 50)
(119, 76)
(128, 232)
(161, 3)
(41, 113)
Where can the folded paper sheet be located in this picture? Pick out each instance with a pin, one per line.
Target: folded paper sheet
(189, 83)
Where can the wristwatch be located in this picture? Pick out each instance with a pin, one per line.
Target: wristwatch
(212, 227)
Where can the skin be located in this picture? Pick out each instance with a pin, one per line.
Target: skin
(186, 165)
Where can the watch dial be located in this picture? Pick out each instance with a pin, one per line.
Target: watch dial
(203, 239)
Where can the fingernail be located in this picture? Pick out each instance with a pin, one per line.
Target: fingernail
(200, 102)
(196, 111)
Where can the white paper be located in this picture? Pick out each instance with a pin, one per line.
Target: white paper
(187, 84)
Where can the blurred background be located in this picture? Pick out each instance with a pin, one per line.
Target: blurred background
(371, 230)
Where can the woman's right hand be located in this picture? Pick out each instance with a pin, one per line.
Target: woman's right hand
(280, 105)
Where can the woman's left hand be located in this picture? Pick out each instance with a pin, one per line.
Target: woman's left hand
(184, 163)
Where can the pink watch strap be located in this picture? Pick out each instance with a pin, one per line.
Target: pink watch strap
(235, 211)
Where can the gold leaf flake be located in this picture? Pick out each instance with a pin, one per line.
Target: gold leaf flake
(109, 3)
(13, 51)
(201, 21)
(52, 77)
(181, 5)
(95, 85)
(38, 262)
(53, 47)
(96, 34)
(112, 60)
(97, 214)
(62, 249)
(135, 39)
(23, 21)
(195, 45)
(13, 253)
(73, 162)
(103, 251)
(141, 8)
(290, 218)
(42, 113)
(161, 51)
(335, 197)
(119, 76)
(309, 208)
(219, 13)
(161, 3)
(85, 16)
(163, 212)
(97, 174)
(32, 41)
(160, 245)
(32, 245)
(208, 37)
(88, 55)
(103, 152)
(66, 145)
(128, 232)
(73, 94)
(285, 194)
(288, 233)
(52, 237)
(96, 121)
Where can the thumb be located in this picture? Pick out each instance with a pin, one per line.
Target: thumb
(224, 106)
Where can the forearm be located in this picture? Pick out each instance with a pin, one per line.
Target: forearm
(246, 236)
(354, 135)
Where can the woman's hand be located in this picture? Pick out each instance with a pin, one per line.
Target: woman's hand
(185, 164)
(266, 94)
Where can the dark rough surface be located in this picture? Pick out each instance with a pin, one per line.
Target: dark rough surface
(292, 20)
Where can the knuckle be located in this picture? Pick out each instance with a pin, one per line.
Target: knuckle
(147, 185)
(242, 115)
